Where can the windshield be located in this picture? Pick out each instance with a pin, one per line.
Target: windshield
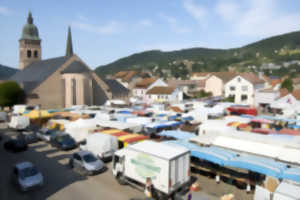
(28, 172)
(63, 138)
(49, 132)
(89, 158)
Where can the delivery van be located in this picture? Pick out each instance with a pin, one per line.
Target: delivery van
(166, 166)
(101, 145)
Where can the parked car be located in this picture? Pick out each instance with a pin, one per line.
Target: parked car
(26, 176)
(88, 162)
(30, 138)
(63, 141)
(16, 145)
(45, 134)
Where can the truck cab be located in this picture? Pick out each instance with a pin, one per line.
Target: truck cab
(118, 164)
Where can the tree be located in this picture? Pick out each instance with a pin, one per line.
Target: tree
(11, 93)
(288, 84)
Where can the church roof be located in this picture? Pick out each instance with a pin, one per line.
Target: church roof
(116, 88)
(6, 72)
(75, 67)
(37, 72)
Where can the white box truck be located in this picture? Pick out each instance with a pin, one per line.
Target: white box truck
(101, 145)
(18, 122)
(167, 166)
(284, 191)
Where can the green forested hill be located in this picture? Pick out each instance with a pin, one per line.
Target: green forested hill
(275, 50)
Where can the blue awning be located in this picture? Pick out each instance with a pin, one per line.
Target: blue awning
(258, 164)
(215, 155)
(190, 118)
(180, 135)
(291, 174)
(228, 158)
(212, 154)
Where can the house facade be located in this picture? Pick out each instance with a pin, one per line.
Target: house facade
(215, 83)
(243, 88)
(164, 94)
(146, 84)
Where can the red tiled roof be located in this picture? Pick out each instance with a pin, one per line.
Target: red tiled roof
(252, 77)
(225, 76)
(125, 75)
(176, 109)
(201, 73)
(201, 83)
(146, 82)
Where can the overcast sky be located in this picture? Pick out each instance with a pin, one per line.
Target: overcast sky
(105, 30)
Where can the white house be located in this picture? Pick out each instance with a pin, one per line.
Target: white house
(243, 88)
(161, 94)
(215, 83)
(146, 84)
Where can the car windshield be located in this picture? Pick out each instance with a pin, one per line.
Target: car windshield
(28, 172)
(89, 158)
(63, 138)
(49, 132)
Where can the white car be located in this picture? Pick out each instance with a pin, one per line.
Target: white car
(26, 176)
(88, 162)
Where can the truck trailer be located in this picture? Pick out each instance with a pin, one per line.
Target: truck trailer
(166, 166)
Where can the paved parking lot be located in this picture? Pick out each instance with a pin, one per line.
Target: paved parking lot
(61, 182)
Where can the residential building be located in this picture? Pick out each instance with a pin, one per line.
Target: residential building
(127, 78)
(187, 86)
(146, 84)
(117, 89)
(57, 82)
(200, 75)
(164, 94)
(216, 81)
(243, 88)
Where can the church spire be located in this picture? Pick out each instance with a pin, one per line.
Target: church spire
(29, 18)
(69, 49)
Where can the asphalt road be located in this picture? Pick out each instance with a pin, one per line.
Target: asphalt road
(61, 182)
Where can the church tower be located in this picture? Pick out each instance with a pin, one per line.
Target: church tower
(29, 44)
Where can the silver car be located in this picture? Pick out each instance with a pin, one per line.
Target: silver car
(86, 161)
(26, 176)
(45, 134)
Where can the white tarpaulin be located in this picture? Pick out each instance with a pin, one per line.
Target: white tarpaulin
(286, 102)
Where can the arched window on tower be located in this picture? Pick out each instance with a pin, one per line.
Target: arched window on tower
(28, 53)
(36, 53)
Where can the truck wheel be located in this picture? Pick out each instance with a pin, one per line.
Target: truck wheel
(161, 196)
(121, 179)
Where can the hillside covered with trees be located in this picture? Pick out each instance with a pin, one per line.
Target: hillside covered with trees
(262, 55)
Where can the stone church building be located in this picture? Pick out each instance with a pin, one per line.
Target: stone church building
(57, 82)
